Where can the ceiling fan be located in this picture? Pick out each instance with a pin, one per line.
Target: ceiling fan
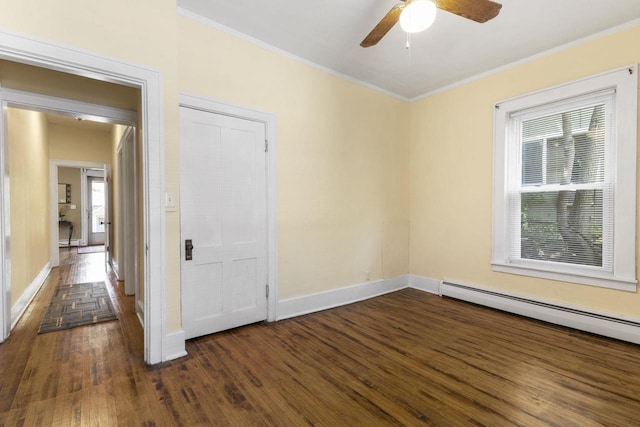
(476, 10)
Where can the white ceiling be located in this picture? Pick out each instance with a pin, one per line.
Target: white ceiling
(329, 32)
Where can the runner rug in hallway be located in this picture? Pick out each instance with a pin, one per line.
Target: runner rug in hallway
(77, 305)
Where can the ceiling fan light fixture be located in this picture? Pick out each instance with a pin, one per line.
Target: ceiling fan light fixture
(418, 15)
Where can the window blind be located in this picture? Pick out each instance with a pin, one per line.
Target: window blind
(561, 197)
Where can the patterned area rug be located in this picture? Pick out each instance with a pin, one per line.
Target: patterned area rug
(90, 249)
(76, 305)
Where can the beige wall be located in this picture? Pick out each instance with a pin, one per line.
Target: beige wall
(29, 78)
(80, 143)
(29, 197)
(451, 173)
(342, 159)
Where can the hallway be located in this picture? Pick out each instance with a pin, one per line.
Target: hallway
(70, 377)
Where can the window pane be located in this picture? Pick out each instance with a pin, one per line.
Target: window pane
(562, 226)
(97, 208)
(575, 147)
(532, 163)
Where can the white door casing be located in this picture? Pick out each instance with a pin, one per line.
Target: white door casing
(118, 261)
(107, 216)
(224, 216)
(128, 213)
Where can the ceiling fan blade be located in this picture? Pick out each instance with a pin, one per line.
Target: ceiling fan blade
(383, 26)
(476, 10)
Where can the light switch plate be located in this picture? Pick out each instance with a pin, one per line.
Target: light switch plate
(170, 203)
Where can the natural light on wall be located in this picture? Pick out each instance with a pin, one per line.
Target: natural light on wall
(418, 16)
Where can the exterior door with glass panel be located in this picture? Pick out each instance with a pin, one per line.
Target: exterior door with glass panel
(96, 209)
(223, 221)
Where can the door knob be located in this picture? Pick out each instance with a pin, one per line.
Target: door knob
(188, 250)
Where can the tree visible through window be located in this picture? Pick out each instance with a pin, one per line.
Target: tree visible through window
(563, 149)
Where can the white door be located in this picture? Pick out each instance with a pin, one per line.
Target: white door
(96, 209)
(223, 214)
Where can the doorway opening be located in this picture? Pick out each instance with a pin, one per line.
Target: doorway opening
(69, 64)
(96, 212)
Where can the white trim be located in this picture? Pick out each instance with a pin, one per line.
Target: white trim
(140, 313)
(68, 107)
(115, 267)
(27, 296)
(528, 59)
(175, 345)
(5, 230)
(269, 120)
(425, 284)
(128, 210)
(41, 53)
(612, 325)
(242, 36)
(312, 303)
(566, 276)
(96, 173)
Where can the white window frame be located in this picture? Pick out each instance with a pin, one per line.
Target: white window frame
(624, 82)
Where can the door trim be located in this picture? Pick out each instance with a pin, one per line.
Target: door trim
(47, 54)
(269, 121)
(128, 214)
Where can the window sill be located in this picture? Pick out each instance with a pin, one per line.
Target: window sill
(603, 281)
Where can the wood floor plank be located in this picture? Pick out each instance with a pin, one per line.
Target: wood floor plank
(407, 358)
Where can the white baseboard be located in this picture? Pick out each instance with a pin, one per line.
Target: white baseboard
(425, 284)
(27, 296)
(115, 267)
(306, 304)
(174, 347)
(139, 311)
(611, 325)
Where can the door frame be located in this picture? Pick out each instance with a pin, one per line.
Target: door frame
(158, 344)
(269, 120)
(128, 208)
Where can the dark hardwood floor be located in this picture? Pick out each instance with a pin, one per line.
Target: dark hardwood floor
(407, 358)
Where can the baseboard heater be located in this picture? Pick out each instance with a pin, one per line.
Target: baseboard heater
(625, 329)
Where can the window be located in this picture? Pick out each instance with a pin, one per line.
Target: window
(564, 197)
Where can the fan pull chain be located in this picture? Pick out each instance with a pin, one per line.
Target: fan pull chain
(408, 49)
